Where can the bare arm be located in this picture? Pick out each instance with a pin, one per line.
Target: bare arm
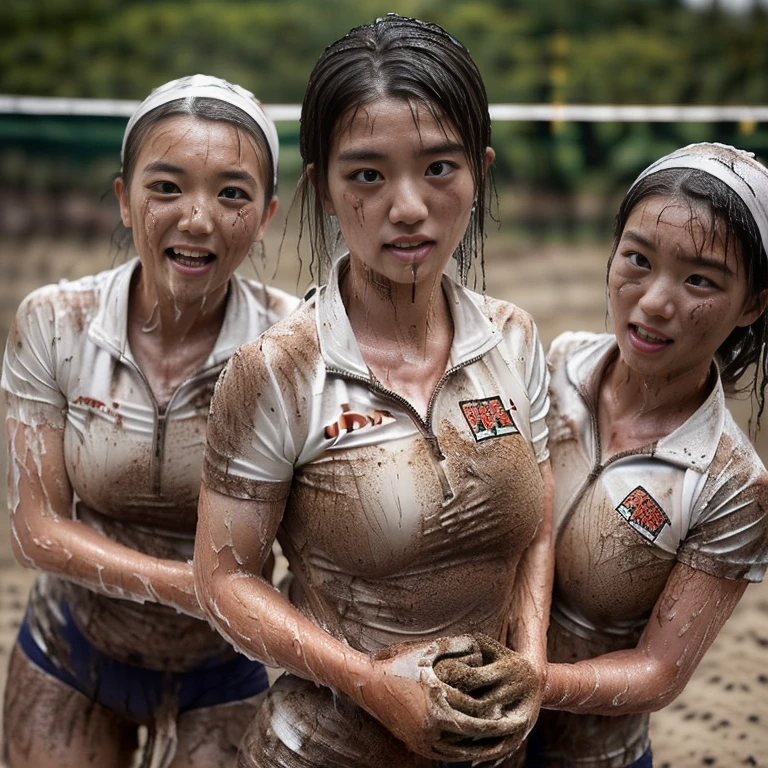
(686, 619)
(233, 542)
(44, 535)
(533, 586)
(397, 686)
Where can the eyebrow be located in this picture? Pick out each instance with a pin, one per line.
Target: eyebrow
(237, 176)
(363, 155)
(161, 167)
(697, 260)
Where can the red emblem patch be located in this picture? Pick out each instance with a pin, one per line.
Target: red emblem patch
(643, 513)
(488, 417)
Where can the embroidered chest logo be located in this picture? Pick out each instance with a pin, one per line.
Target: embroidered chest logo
(643, 513)
(488, 417)
(350, 421)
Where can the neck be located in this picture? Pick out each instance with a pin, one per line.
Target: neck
(412, 314)
(667, 398)
(173, 322)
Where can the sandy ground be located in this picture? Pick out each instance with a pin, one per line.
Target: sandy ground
(722, 717)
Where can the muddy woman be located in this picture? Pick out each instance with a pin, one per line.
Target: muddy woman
(660, 499)
(392, 436)
(108, 381)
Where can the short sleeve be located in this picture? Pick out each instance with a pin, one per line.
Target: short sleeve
(249, 437)
(537, 382)
(30, 361)
(731, 541)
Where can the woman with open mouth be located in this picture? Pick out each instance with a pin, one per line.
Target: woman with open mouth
(109, 380)
(660, 499)
(391, 435)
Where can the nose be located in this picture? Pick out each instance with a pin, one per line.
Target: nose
(658, 299)
(196, 218)
(408, 203)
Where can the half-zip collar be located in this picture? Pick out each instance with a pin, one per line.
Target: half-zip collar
(473, 336)
(109, 329)
(692, 445)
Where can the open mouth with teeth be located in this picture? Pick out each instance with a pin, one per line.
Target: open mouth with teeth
(189, 258)
(652, 338)
(409, 246)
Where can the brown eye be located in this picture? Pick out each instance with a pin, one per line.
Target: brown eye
(165, 188)
(699, 281)
(638, 260)
(440, 168)
(367, 176)
(233, 193)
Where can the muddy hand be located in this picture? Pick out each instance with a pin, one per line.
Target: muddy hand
(406, 696)
(495, 686)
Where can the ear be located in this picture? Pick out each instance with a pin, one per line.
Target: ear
(754, 309)
(269, 212)
(323, 193)
(122, 198)
(490, 156)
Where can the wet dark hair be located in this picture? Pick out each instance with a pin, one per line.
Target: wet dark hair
(730, 218)
(402, 58)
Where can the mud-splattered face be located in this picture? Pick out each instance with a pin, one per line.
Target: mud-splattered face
(196, 205)
(674, 293)
(401, 187)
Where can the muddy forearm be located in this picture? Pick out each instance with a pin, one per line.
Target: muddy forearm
(262, 624)
(74, 551)
(233, 543)
(619, 683)
(533, 587)
(44, 535)
(686, 619)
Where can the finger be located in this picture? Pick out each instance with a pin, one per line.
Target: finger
(488, 691)
(456, 750)
(466, 726)
(458, 646)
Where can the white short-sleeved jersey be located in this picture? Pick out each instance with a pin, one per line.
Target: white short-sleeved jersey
(135, 468)
(697, 496)
(397, 526)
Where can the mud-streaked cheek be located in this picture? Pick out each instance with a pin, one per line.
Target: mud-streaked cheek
(148, 221)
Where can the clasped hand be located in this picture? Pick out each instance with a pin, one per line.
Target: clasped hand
(455, 698)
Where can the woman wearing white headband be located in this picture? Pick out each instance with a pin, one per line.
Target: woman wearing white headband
(108, 381)
(660, 500)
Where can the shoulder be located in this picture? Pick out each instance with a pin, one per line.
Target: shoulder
(290, 346)
(70, 303)
(570, 343)
(736, 477)
(502, 314)
(520, 337)
(274, 301)
(737, 458)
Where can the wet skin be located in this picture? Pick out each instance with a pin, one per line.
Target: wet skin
(401, 188)
(675, 294)
(196, 204)
(198, 187)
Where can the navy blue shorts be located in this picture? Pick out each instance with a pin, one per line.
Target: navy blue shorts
(646, 761)
(136, 692)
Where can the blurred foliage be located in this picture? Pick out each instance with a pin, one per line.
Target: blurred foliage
(529, 51)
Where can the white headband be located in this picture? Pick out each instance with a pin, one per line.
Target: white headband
(737, 168)
(211, 88)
